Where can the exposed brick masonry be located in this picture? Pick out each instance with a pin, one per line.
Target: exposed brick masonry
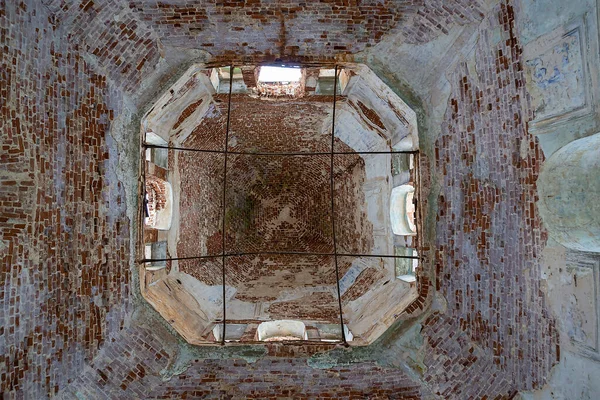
(122, 45)
(64, 280)
(156, 194)
(273, 203)
(64, 277)
(289, 29)
(490, 237)
(200, 206)
(118, 32)
(130, 368)
(290, 378)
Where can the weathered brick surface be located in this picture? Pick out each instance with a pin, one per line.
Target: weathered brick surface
(125, 36)
(292, 271)
(352, 225)
(201, 202)
(437, 17)
(371, 115)
(64, 277)
(290, 28)
(64, 280)
(258, 185)
(489, 232)
(259, 125)
(286, 28)
(278, 203)
(210, 134)
(290, 378)
(120, 44)
(364, 281)
(273, 203)
(130, 367)
(186, 113)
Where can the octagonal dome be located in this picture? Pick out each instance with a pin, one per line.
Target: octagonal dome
(271, 229)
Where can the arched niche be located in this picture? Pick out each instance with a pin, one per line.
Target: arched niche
(569, 191)
(402, 210)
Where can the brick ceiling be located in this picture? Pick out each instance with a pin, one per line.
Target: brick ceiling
(256, 29)
(273, 203)
(74, 72)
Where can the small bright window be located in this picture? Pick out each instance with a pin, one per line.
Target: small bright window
(279, 74)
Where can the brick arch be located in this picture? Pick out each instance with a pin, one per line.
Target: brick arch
(157, 196)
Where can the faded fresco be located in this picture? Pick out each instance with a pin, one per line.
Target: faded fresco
(556, 78)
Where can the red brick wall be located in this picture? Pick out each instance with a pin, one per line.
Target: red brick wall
(64, 280)
(258, 187)
(261, 125)
(290, 378)
(128, 366)
(267, 126)
(290, 28)
(497, 329)
(353, 227)
(131, 368)
(64, 276)
(122, 46)
(124, 36)
(261, 28)
(438, 17)
(200, 202)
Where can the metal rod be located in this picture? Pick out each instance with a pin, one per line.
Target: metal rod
(300, 253)
(157, 146)
(141, 215)
(224, 196)
(301, 153)
(282, 253)
(420, 222)
(332, 342)
(332, 188)
(180, 258)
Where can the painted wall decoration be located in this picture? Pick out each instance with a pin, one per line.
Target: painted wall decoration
(557, 78)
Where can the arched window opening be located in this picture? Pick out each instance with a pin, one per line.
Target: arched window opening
(159, 201)
(157, 156)
(405, 267)
(233, 333)
(223, 78)
(155, 251)
(402, 210)
(281, 81)
(330, 333)
(279, 74)
(273, 331)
